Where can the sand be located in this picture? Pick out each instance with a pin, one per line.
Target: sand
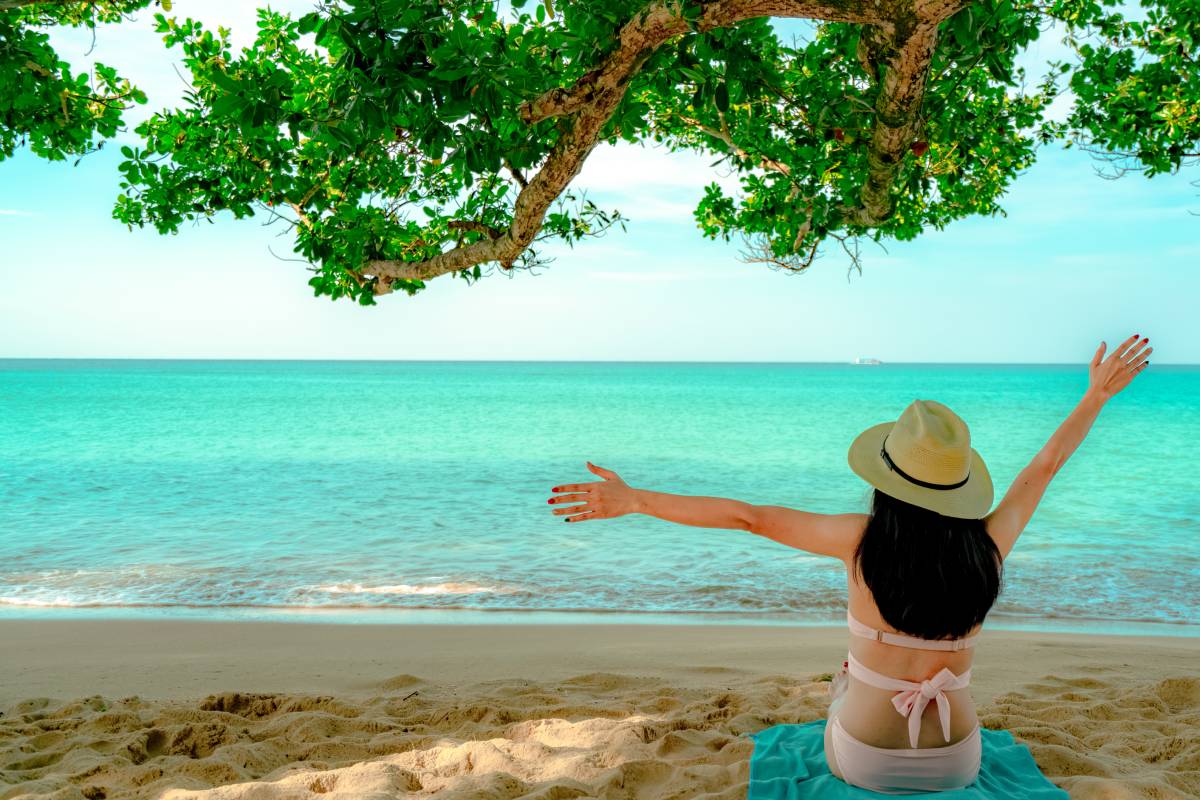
(282, 711)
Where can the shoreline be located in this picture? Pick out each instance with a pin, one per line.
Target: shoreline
(239, 710)
(454, 616)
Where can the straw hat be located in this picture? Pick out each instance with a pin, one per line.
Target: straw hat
(925, 458)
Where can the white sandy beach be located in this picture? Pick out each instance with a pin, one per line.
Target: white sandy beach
(274, 711)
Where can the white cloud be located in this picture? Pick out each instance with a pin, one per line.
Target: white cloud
(12, 212)
(624, 166)
(608, 249)
(657, 209)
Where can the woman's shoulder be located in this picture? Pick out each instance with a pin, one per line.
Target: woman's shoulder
(851, 529)
(854, 521)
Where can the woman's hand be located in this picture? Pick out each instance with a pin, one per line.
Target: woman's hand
(605, 499)
(1110, 375)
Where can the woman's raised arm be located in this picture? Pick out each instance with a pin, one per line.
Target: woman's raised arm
(824, 534)
(1107, 377)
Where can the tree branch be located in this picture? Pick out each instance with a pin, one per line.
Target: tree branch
(906, 53)
(727, 138)
(477, 227)
(759, 250)
(518, 176)
(588, 104)
(668, 16)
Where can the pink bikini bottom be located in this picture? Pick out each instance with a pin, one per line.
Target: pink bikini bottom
(901, 771)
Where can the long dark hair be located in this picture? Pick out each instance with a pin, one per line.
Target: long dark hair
(932, 576)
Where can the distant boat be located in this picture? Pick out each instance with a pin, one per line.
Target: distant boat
(869, 362)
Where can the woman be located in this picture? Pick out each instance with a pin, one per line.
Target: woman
(923, 570)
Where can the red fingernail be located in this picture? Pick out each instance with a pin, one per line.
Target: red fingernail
(551, 500)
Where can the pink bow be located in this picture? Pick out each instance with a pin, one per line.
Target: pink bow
(911, 703)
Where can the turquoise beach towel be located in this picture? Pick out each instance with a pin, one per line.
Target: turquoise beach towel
(789, 764)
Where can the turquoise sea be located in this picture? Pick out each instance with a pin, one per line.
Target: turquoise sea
(359, 491)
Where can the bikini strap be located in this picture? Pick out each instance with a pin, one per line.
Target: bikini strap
(900, 640)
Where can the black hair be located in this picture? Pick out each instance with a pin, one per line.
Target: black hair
(932, 576)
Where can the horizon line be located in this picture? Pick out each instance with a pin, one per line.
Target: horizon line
(259, 360)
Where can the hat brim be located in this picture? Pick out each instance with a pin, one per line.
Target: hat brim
(972, 500)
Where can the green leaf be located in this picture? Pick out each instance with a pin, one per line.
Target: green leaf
(962, 27)
(340, 135)
(221, 79)
(308, 23)
(228, 105)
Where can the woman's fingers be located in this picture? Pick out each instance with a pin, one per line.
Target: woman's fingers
(580, 517)
(577, 497)
(1140, 358)
(607, 474)
(574, 487)
(1124, 346)
(580, 499)
(1132, 353)
(1096, 359)
(571, 510)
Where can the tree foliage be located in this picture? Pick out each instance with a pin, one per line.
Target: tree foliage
(406, 139)
(44, 104)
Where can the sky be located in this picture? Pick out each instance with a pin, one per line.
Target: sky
(1078, 259)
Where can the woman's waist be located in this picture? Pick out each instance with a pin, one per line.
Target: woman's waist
(870, 715)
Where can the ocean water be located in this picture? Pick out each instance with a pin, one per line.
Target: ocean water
(233, 488)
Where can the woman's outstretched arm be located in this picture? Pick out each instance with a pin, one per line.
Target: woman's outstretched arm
(1107, 377)
(824, 534)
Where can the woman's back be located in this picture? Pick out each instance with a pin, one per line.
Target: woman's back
(902, 715)
(867, 711)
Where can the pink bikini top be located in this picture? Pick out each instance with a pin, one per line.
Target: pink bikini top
(912, 698)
